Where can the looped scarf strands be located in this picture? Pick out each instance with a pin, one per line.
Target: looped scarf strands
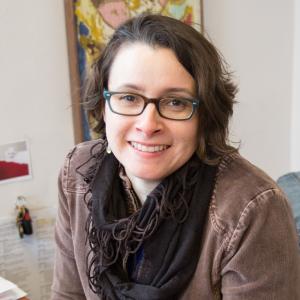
(165, 233)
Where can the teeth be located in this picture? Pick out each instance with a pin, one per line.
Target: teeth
(144, 148)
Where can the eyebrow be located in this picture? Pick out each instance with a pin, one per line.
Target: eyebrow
(165, 91)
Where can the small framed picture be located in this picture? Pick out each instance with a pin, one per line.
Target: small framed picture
(14, 162)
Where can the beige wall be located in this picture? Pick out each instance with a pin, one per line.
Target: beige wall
(35, 98)
(256, 37)
(295, 121)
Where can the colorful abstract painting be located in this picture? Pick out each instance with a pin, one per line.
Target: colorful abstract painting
(96, 21)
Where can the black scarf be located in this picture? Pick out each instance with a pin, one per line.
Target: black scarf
(161, 242)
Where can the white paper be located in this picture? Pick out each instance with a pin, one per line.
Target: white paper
(9, 291)
(5, 285)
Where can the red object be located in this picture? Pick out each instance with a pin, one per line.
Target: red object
(26, 216)
(11, 169)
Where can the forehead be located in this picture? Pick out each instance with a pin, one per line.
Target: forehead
(148, 68)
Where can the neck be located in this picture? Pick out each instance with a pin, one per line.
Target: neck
(142, 187)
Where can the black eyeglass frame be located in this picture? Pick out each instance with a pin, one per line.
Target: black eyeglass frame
(107, 95)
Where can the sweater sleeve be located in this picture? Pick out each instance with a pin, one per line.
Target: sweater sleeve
(262, 260)
(66, 281)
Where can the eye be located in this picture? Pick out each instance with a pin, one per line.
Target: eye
(175, 105)
(177, 102)
(128, 97)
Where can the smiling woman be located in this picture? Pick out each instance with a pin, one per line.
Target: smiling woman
(161, 206)
(153, 72)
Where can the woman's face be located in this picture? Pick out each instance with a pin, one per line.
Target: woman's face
(154, 73)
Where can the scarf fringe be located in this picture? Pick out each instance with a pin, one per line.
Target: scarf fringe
(128, 234)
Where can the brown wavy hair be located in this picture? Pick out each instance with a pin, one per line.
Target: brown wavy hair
(214, 86)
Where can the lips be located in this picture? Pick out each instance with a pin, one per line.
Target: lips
(148, 148)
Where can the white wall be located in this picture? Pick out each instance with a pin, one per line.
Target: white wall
(34, 95)
(295, 126)
(256, 38)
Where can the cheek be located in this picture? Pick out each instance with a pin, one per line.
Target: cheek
(117, 127)
(192, 141)
(189, 134)
(196, 131)
(109, 125)
(110, 119)
(196, 134)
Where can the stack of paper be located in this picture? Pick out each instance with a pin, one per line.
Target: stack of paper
(9, 291)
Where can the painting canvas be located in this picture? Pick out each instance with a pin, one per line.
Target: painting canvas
(90, 24)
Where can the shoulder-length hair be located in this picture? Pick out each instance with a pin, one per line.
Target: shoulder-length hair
(214, 86)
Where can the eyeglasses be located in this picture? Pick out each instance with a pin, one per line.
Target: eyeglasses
(131, 104)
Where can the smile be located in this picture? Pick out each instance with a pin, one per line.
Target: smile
(144, 148)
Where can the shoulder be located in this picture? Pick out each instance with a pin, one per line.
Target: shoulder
(84, 150)
(241, 191)
(77, 164)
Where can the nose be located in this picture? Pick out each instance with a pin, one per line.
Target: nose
(149, 122)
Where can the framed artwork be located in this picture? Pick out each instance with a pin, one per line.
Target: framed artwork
(91, 23)
(14, 162)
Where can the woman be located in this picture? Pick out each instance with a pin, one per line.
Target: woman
(161, 207)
